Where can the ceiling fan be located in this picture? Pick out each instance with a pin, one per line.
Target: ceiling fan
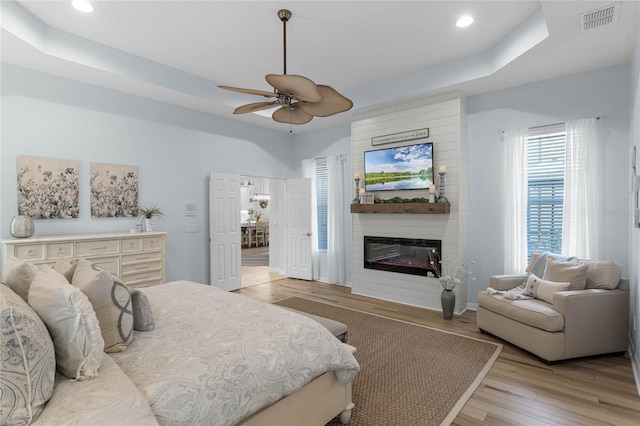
(298, 97)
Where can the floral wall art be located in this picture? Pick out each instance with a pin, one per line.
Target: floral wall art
(114, 190)
(48, 188)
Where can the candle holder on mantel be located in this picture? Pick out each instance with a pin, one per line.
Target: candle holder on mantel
(442, 198)
(356, 199)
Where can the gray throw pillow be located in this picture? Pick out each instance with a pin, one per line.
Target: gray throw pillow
(28, 361)
(142, 315)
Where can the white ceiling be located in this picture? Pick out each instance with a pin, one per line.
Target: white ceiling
(376, 53)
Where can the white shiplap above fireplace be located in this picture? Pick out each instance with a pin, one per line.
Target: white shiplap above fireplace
(445, 117)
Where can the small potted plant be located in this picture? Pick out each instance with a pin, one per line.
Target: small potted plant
(148, 213)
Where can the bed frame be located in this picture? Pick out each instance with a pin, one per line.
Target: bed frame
(316, 403)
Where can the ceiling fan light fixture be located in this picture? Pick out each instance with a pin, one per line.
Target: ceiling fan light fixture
(299, 98)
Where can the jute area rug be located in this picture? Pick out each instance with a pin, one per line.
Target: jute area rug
(409, 374)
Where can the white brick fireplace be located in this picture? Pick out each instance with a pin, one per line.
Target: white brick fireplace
(445, 117)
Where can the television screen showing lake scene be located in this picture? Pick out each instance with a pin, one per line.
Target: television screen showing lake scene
(405, 167)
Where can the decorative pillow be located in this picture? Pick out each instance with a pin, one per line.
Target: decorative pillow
(111, 302)
(569, 271)
(66, 267)
(142, 315)
(71, 321)
(28, 361)
(543, 289)
(18, 274)
(532, 262)
(604, 274)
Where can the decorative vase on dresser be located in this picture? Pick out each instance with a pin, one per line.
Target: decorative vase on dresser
(22, 226)
(138, 258)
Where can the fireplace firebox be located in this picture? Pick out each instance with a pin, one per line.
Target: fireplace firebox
(404, 255)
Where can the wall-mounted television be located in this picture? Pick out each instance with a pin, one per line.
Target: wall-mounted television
(399, 168)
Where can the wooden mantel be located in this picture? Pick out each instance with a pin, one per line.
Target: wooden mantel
(406, 208)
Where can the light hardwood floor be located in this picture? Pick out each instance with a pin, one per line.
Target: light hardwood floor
(519, 389)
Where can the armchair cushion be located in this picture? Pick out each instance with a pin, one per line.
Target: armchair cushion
(566, 271)
(533, 312)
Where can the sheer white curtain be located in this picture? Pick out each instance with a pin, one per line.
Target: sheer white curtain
(581, 197)
(309, 171)
(515, 201)
(336, 208)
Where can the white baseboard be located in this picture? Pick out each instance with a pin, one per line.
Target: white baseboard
(472, 306)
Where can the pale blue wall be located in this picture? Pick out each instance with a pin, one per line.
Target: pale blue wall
(174, 149)
(634, 258)
(603, 93)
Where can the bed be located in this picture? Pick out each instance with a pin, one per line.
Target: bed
(213, 358)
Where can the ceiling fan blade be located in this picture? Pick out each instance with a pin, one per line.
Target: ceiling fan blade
(332, 103)
(250, 91)
(257, 106)
(297, 86)
(292, 115)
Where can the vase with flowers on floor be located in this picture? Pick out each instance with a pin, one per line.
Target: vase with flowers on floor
(448, 297)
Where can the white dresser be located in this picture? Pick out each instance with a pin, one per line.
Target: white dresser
(139, 258)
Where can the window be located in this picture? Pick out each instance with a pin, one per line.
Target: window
(321, 201)
(545, 183)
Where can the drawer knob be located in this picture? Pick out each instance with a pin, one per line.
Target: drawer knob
(151, 243)
(99, 248)
(30, 252)
(60, 250)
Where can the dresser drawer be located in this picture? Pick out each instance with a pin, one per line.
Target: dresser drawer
(153, 277)
(29, 252)
(90, 248)
(141, 257)
(54, 250)
(131, 244)
(153, 243)
(137, 268)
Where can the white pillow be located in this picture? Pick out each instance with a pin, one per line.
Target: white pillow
(71, 321)
(543, 289)
(566, 271)
(18, 274)
(66, 266)
(111, 302)
(602, 273)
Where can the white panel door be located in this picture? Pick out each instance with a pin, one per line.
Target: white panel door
(299, 260)
(224, 230)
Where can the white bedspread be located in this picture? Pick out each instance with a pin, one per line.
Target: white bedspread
(216, 357)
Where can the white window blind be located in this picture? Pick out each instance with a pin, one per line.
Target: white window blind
(546, 157)
(321, 195)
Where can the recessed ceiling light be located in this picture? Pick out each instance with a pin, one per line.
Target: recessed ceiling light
(464, 21)
(82, 6)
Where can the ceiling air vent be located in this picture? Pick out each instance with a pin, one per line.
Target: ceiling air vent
(600, 17)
